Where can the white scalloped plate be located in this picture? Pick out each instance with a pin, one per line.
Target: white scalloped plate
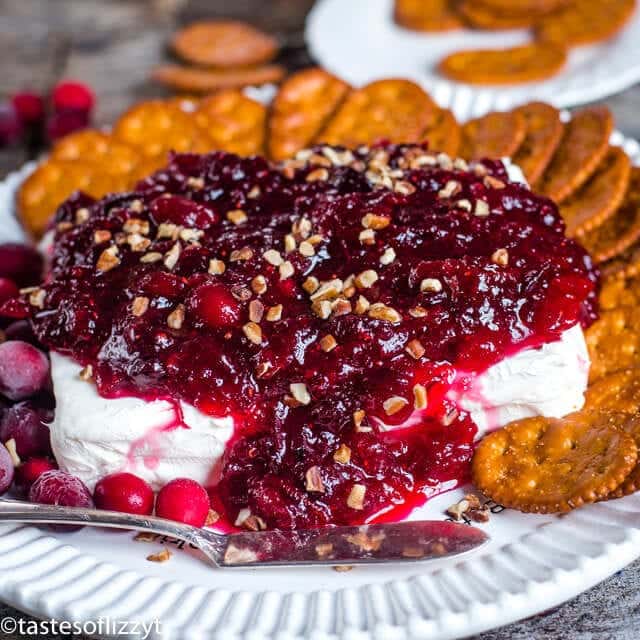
(532, 563)
(359, 41)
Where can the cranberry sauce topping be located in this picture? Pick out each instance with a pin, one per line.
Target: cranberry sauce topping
(318, 303)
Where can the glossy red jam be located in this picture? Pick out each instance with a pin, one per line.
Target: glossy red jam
(423, 267)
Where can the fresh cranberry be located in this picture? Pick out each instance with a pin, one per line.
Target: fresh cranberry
(72, 96)
(29, 471)
(183, 500)
(62, 124)
(124, 492)
(6, 470)
(29, 106)
(214, 305)
(11, 129)
(8, 289)
(61, 489)
(24, 370)
(23, 423)
(20, 263)
(21, 330)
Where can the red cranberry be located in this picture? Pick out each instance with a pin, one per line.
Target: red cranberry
(72, 96)
(183, 500)
(28, 472)
(6, 470)
(21, 330)
(66, 122)
(24, 424)
(29, 106)
(161, 283)
(10, 125)
(20, 263)
(124, 492)
(8, 289)
(63, 489)
(214, 306)
(184, 212)
(24, 370)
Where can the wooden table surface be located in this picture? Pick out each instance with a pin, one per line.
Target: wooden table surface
(112, 44)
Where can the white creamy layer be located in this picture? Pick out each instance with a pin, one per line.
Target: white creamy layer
(94, 436)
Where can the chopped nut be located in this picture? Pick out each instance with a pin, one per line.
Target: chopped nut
(168, 230)
(322, 308)
(356, 496)
(212, 518)
(324, 549)
(136, 206)
(403, 187)
(342, 455)
(366, 542)
(108, 259)
(311, 284)
(366, 279)
(236, 555)
(190, 235)
(417, 312)
(367, 236)
(328, 290)
(175, 319)
(172, 256)
(457, 510)
(500, 257)
(380, 311)
(217, 267)
(479, 515)
(152, 256)
(136, 225)
(494, 183)
(243, 514)
(431, 285)
(256, 311)
(237, 216)
(101, 235)
(241, 293)
(139, 306)
(299, 392)
(82, 215)
(374, 221)
(286, 270)
(273, 257)
(413, 551)
(138, 242)
(460, 164)
(415, 349)
(388, 256)
(358, 418)
(306, 249)
(465, 205)
(86, 373)
(289, 243)
(362, 305)
(450, 189)
(145, 536)
(482, 209)
(10, 446)
(195, 183)
(302, 228)
(394, 404)
(449, 417)
(313, 480)
(259, 285)
(37, 297)
(343, 568)
(328, 343)
(254, 192)
(420, 400)
(340, 307)
(238, 255)
(254, 523)
(162, 556)
(318, 175)
(253, 332)
(274, 313)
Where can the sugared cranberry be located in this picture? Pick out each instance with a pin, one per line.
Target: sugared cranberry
(124, 492)
(183, 500)
(24, 370)
(72, 96)
(29, 107)
(10, 126)
(214, 306)
(62, 489)
(6, 470)
(23, 423)
(20, 263)
(8, 289)
(66, 122)
(28, 472)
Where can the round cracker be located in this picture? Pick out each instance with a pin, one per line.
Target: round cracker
(619, 292)
(396, 110)
(435, 15)
(233, 122)
(549, 465)
(626, 265)
(599, 197)
(544, 131)
(481, 16)
(444, 134)
(158, 126)
(191, 79)
(524, 6)
(301, 108)
(614, 341)
(621, 230)
(586, 22)
(527, 63)
(583, 145)
(496, 135)
(224, 43)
